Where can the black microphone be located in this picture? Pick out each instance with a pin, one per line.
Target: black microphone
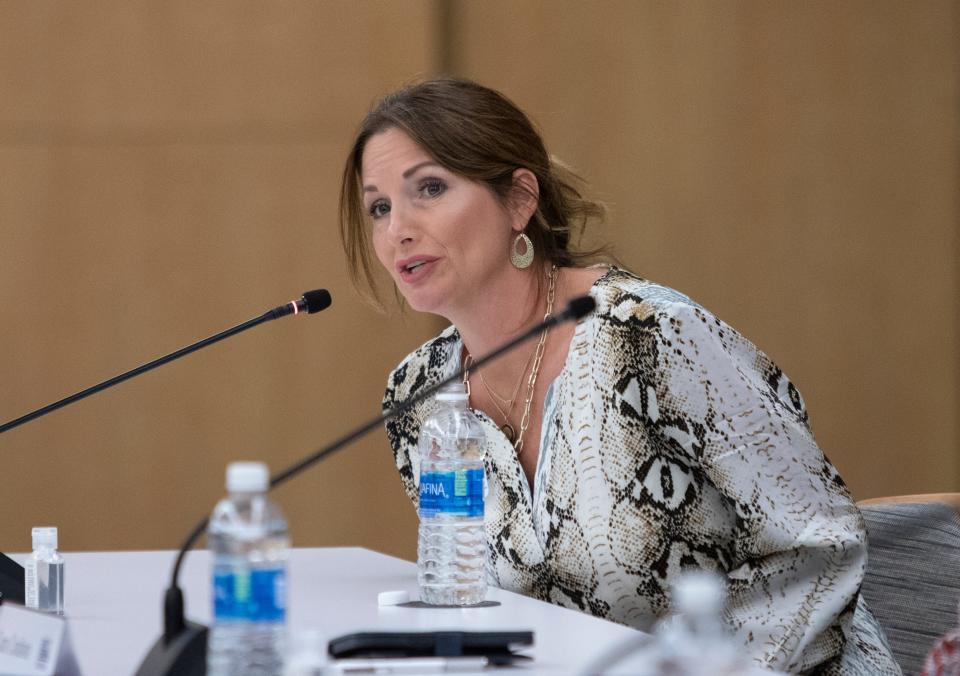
(309, 303)
(11, 573)
(182, 648)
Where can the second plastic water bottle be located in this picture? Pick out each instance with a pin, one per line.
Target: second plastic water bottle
(248, 539)
(452, 551)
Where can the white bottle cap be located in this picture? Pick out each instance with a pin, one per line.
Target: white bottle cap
(247, 477)
(699, 592)
(392, 598)
(45, 536)
(452, 392)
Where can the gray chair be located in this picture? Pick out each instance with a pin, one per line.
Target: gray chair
(912, 583)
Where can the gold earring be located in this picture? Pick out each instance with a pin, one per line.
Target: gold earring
(521, 260)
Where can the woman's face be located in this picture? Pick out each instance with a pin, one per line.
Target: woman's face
(441, 236)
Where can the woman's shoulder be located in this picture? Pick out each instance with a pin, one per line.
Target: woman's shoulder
(648, 323)
(645, 309)
(623, 295)
(426, 365)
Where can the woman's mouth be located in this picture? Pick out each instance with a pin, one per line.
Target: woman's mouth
(414, 269)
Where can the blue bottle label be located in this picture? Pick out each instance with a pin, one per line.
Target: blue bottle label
(458, 493)
(251, 595)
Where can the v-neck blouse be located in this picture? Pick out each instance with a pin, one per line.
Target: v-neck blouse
(668, 440)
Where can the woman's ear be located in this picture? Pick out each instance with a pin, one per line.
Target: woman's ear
(524, 197)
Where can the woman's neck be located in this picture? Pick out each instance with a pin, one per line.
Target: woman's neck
(510, 306)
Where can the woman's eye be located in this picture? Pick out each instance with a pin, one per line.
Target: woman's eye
(433, 187)
(379, 208)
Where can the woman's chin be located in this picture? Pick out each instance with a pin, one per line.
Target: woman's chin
(424, 303)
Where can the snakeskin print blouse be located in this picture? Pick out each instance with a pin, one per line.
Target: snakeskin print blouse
(670, 441)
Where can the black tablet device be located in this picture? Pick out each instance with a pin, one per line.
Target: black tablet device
(497, 646)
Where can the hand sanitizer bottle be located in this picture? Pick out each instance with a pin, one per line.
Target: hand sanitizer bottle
(43, 573)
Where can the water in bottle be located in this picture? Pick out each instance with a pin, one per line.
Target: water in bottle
(43, 573)
(248, 540)
(452, 550)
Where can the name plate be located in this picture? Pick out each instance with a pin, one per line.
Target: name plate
(35, 644)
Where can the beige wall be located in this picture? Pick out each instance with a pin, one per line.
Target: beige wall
(794, 167)
(170, 169)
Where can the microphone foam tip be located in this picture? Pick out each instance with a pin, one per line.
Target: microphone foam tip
(317, 300)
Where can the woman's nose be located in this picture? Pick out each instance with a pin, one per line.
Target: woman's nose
(402, 225)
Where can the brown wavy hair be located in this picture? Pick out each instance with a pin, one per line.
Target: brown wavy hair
(480, 134)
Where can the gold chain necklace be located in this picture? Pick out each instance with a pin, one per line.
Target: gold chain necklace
(508, 430)
(537, 359)
(516, 389)
(506, 427)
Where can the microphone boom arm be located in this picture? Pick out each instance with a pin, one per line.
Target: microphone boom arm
(181, 648)
(306, 304)
(576, 309)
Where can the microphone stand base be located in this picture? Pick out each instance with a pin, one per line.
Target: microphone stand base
(185, 655)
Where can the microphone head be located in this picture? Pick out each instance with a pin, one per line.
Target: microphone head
(580, 307)
(317, 300)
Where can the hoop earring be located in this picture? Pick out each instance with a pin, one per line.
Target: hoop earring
(521, 260)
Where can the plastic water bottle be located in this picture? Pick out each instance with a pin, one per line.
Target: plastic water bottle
(43, 573)
(692, 641)
(247, 537)
(452, 551)
(695, 635)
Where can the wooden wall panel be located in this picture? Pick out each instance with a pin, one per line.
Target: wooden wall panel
(792, 166)
(170, 170)
(203, 73)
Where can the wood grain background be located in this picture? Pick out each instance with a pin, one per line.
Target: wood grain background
(169, 169)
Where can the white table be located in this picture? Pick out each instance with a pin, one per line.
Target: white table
(114, 603)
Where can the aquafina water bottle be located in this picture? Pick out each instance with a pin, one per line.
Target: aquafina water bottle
(452, 551)
(248, 540)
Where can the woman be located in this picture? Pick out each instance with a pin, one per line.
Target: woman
(645, 439)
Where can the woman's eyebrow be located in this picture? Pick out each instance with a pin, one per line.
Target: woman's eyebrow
(412, 170)
(407, 174)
